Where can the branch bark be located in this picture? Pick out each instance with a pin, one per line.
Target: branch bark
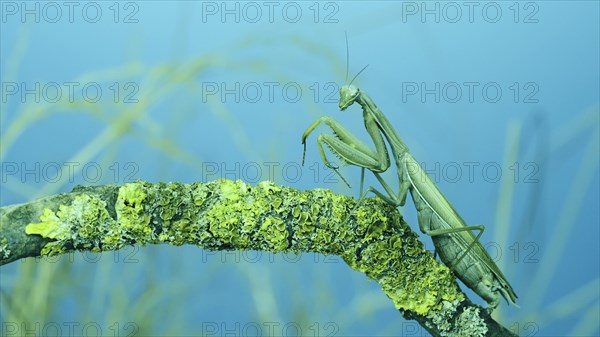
(370, 236)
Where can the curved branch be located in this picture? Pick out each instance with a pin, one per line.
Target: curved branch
(370, 236)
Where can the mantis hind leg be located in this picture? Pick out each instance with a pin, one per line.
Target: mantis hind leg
(446, 231)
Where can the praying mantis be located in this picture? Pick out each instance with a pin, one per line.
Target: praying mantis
(459, 249)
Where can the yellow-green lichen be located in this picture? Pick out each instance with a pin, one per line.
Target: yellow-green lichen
(84, 224)
(180, 232)
(424, 286)
(175, 205)
(320, 223)
(305, 227)
(296, 211)
(200, 192)
(89, 221)
(50, 226)
(268, 187)
(371, 225)
(383, 256)
(228, 214)
(397, 260)
(232, 219)
(131, 213)
(274, 233)
(226, 230)
(232, 191)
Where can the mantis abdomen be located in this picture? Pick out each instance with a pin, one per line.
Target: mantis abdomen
(457, 246)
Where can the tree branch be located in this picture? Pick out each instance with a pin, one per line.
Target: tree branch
(371, 236)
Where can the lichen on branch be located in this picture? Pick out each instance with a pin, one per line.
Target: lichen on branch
(370, 236)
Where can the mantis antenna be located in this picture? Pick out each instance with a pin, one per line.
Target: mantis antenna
(347, 56)
(348, 62)
(365, 67)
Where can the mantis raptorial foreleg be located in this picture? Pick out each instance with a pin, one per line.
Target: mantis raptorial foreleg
(349, 148)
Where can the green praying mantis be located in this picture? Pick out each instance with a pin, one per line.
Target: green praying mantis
(454, 241)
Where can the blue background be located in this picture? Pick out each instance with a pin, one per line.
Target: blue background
(164, 113)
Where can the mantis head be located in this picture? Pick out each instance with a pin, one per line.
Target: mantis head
(348, 95)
